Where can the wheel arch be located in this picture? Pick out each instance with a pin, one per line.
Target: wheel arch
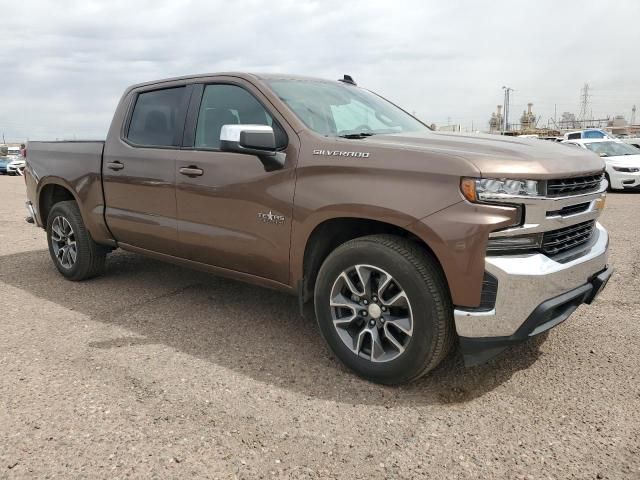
(53, 191)
(329, 234)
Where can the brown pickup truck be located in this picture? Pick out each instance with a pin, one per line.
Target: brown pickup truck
(403, 240)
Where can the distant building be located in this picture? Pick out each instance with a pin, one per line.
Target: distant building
(528, 119)
(495, 122)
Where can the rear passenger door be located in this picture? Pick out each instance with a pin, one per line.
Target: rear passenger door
(139, 170)
(235, 213)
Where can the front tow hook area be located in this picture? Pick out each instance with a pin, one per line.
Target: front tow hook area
(599, 281)
(552, 312)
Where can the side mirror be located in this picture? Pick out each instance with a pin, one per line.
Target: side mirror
(250, 139)
(603, 154)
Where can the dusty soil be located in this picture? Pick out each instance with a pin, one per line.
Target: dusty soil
(155, 371)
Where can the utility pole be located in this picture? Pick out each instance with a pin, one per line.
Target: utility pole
(633, 115)
(507, 92)
(584, 104)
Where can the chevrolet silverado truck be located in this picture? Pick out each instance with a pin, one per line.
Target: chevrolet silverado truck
(402, 241)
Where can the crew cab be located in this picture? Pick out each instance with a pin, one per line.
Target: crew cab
(400, 240)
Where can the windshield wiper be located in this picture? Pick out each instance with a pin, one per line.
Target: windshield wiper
(356, 135)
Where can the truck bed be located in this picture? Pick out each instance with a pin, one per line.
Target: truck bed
(75, 165)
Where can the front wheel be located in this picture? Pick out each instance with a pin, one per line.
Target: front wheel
(73, 251)
(383, 307)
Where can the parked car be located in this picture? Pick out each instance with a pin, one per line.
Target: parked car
(16, 166)
(401, 239)
(4, 161)
(634, 141)
(588, 133)
(13, 152)
(622, 161)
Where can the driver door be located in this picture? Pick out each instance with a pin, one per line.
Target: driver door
(233, 213)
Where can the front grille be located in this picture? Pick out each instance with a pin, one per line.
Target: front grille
(573, 186)
(563, 239)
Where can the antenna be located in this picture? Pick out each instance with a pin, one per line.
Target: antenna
(347, 79)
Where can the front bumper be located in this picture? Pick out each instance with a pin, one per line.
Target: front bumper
(625, 180)
(534, 294)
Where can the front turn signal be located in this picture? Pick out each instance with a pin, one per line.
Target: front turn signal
(468, 189)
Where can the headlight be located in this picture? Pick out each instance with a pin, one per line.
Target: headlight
(488, 189)
(627, 169)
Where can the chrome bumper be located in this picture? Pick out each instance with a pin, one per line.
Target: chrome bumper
(524, 282)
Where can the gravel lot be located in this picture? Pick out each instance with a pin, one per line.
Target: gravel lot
(156, 371)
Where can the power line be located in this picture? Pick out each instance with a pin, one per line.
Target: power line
(584, 102)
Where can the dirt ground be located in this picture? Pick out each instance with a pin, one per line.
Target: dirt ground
(155, 371)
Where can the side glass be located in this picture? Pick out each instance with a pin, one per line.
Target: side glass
(227, 105)
(153, 122)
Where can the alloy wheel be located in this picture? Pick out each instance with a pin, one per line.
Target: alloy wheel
(371, 313)
(63, 241)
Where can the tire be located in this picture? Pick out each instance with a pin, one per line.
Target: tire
(89, 256)
(426, 302)
(609, 187)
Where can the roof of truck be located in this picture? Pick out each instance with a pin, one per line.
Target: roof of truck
(245, 75)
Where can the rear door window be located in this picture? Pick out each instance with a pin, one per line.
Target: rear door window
(155, 118)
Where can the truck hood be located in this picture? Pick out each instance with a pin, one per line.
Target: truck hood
(499, 156)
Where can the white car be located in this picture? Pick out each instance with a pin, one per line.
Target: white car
(588, 134)
(635, 141)
(16, 166)
(622, 161)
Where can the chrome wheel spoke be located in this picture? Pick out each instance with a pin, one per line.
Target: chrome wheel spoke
(341, 301)
(359, 341)
(364, 274)
(352, 288)
(383, 283)
(389, 336)
(73, 252)
(402, 324)
(56, 233)
(399, 299)
(377, 350)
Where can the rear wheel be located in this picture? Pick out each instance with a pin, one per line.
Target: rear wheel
(73, 251)
(384, 309)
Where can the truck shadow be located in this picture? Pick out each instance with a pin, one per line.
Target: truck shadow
(250, 330)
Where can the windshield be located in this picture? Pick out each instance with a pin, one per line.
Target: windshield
(612, 149)
(335, 109)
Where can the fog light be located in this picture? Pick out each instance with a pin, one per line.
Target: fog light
(523, 242)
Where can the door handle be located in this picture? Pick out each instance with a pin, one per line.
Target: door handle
(191, 171)
(115, 165)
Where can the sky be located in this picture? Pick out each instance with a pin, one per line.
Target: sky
(66, 63)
